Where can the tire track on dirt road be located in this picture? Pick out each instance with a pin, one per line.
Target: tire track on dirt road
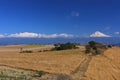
(79, 72)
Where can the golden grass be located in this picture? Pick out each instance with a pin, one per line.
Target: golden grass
(54, 61)
(105, 67)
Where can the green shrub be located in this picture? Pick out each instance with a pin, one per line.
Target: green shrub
(92, 43)
(95, 48)
(27, 51)
(88, 49)
(46, 50)
(97, 52)
(109, 46)
(63, 77)
(39, 74)
(64, 46)
(40, 51)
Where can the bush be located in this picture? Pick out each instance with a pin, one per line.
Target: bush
(40, 73)
(95, 48)
(64, 46)
(88, 49)
(46, 50)
(109, 46)
(27, 51)
(92, 43)
(97, 52)
(63, 77)
(40, 51)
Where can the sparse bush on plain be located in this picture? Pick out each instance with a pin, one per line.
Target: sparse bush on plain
(27, 51)
(109, 46)
(88, 49)
(97, 52)
(46, 50)
(64, 77)
(64, 46)
(40, 73)
(95, 48)
(40, 51)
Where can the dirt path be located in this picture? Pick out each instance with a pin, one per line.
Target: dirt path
(79, 72)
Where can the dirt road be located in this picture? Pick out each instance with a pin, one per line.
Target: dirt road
(79, 72)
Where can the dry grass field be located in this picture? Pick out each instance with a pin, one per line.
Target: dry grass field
(71, 62)
(105, 67)
(53, 61)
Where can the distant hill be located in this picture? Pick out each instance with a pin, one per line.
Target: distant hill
(81, 40)
(118, 44)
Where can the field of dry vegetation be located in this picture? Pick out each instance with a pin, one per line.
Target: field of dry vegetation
(106, 67)
(53, 61)
(71, 62)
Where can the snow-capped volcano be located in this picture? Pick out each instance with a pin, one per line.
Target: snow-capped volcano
(99, 34)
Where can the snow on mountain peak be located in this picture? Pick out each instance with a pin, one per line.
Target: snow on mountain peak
(99, 34)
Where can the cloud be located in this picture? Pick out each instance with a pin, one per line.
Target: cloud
(99, 34)
(117, 33)
(2, 36)
(74, 13)
(24, 34)
(36, 35)
(55, 35)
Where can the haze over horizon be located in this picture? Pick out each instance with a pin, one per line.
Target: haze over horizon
(59, 18)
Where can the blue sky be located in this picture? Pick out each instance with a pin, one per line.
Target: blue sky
(76, 17)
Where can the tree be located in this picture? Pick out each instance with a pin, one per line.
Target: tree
(92, 43)
(95, 48)
(88, 49)
(64, 46)
(109, 46)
